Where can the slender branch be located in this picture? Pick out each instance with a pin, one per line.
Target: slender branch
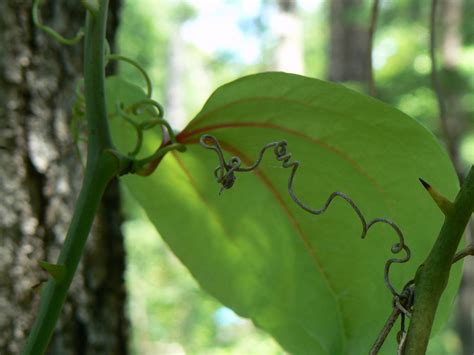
(101, 166)
(385, 332)
(469, 250)
(373, 24)
(432, 279)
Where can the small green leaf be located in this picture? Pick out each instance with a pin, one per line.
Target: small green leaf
(309, 281)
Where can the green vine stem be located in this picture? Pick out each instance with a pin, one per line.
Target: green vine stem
(102, 166)
(53, 33)
(432, 278)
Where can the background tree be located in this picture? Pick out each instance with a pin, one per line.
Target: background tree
(40, 178)
(289, 50)
(454, 125)
(348, 42)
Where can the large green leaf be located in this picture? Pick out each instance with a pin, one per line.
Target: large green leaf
(310, 281)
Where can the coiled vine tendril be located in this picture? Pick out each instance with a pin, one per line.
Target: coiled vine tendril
(118, 57)
(63, 40)
(225, 175)
(402, 302)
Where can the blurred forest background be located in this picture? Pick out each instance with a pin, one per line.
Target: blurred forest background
(190, 48)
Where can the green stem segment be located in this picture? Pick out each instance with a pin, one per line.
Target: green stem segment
(101, 167)
(432, 279)
(94, 82)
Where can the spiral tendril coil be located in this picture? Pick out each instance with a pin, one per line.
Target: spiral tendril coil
(225, 175)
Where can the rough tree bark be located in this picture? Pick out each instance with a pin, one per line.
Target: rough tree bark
(39, 180)
(349, 41)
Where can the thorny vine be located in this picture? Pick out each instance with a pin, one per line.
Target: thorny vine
(225, 175)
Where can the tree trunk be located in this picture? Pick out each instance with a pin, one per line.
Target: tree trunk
(456, 124)
(39, 182)
(349, 41)
(450, 14)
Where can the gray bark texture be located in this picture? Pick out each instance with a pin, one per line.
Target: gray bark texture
(40, 177)
(349, 41)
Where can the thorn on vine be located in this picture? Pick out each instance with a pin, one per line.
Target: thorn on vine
(442, 202)
(56, 271)
(39, 285)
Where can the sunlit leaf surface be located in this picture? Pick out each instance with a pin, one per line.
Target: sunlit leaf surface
(310, 281)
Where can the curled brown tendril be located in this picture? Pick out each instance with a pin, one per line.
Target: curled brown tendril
(225, 175)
